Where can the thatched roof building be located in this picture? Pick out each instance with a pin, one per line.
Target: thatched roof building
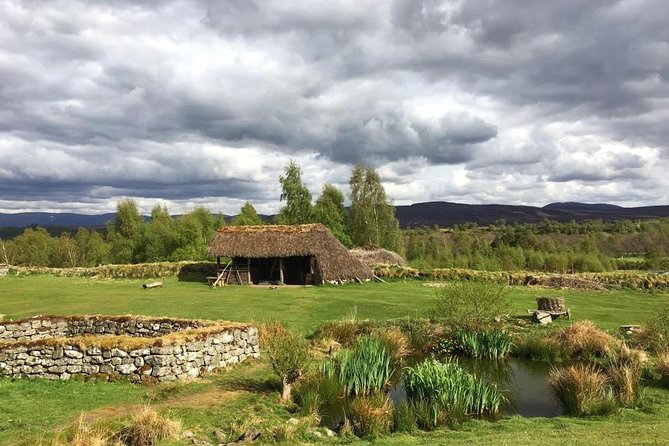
(297, 254)
(372, 255)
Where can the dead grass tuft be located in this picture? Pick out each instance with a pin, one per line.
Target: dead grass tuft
(148, 427)
(584, 339)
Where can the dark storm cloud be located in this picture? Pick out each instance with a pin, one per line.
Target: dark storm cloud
(443, 82)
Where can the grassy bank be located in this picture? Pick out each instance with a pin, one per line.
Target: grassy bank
(30, 410)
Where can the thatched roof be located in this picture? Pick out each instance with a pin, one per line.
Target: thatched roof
(334, 260)
(371, 255)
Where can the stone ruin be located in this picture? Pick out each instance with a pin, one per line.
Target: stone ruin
(110, 347)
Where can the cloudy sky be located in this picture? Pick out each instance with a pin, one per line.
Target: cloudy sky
(204, 102)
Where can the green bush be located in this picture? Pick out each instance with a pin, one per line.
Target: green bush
(287, 352)
(471, 305)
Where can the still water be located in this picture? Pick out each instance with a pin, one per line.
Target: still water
(524, 383)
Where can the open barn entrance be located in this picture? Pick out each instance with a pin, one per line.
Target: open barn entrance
(297, 270)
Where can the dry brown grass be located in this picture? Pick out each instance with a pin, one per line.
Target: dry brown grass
(624, 367)
(148, 427)
(371, 416)
(396, 341)
(584, 339)
(580, 388)
(84, 434)
(128, 343)
(663, 365)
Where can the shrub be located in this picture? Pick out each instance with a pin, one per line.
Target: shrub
(582, 389)
(287, 352)
(370, 415)
(147, 427)
(492, 344)
(316, 392)
(363, 369)
(444, 392)
(471, 305)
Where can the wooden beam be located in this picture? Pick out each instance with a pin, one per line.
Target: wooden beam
(281, 270)
(248, 267)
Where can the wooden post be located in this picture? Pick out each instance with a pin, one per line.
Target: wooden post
(281, 271)
(248, 267)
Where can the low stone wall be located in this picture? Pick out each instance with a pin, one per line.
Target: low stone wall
(146, 351)
(54, 326)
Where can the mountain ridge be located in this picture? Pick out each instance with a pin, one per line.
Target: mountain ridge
(441, 213)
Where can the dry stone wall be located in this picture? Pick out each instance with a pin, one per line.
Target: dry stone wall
(53, 348)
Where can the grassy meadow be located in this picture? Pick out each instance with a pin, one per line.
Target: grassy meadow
(35, 410)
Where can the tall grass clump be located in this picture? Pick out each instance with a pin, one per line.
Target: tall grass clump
(582, 389)
(363, 369)
(148, 427)
(404, 418)
(490, 344)
(624, 367)
(370, 415)
(471, 305)
(445, 393)
(663, 367)
(584, 340)
(539, 349)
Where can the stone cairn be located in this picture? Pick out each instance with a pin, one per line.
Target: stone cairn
(110, 347)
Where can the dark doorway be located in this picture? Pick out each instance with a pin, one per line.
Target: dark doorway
(294, 270)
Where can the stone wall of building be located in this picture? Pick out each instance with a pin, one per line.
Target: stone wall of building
(165, 358)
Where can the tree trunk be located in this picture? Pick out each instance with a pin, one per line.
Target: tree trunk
(285, 391)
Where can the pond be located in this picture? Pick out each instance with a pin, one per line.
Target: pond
(524, 383)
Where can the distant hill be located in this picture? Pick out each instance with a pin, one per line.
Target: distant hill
(439, 213)
(65, 220)
(448, 214)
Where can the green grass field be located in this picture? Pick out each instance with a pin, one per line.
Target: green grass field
(30, 410)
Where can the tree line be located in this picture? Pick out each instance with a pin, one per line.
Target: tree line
(130, 238)
(589, 246)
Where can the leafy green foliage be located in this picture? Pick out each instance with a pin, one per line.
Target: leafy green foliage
(288, 354)
(247, 216)
(471, 305)
(330, 211)
(298, 209)
(372, 219)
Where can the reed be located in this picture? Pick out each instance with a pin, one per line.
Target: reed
(582, 389)
(492, 344)
(446, 392)
(539, 349)
(364, 369)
